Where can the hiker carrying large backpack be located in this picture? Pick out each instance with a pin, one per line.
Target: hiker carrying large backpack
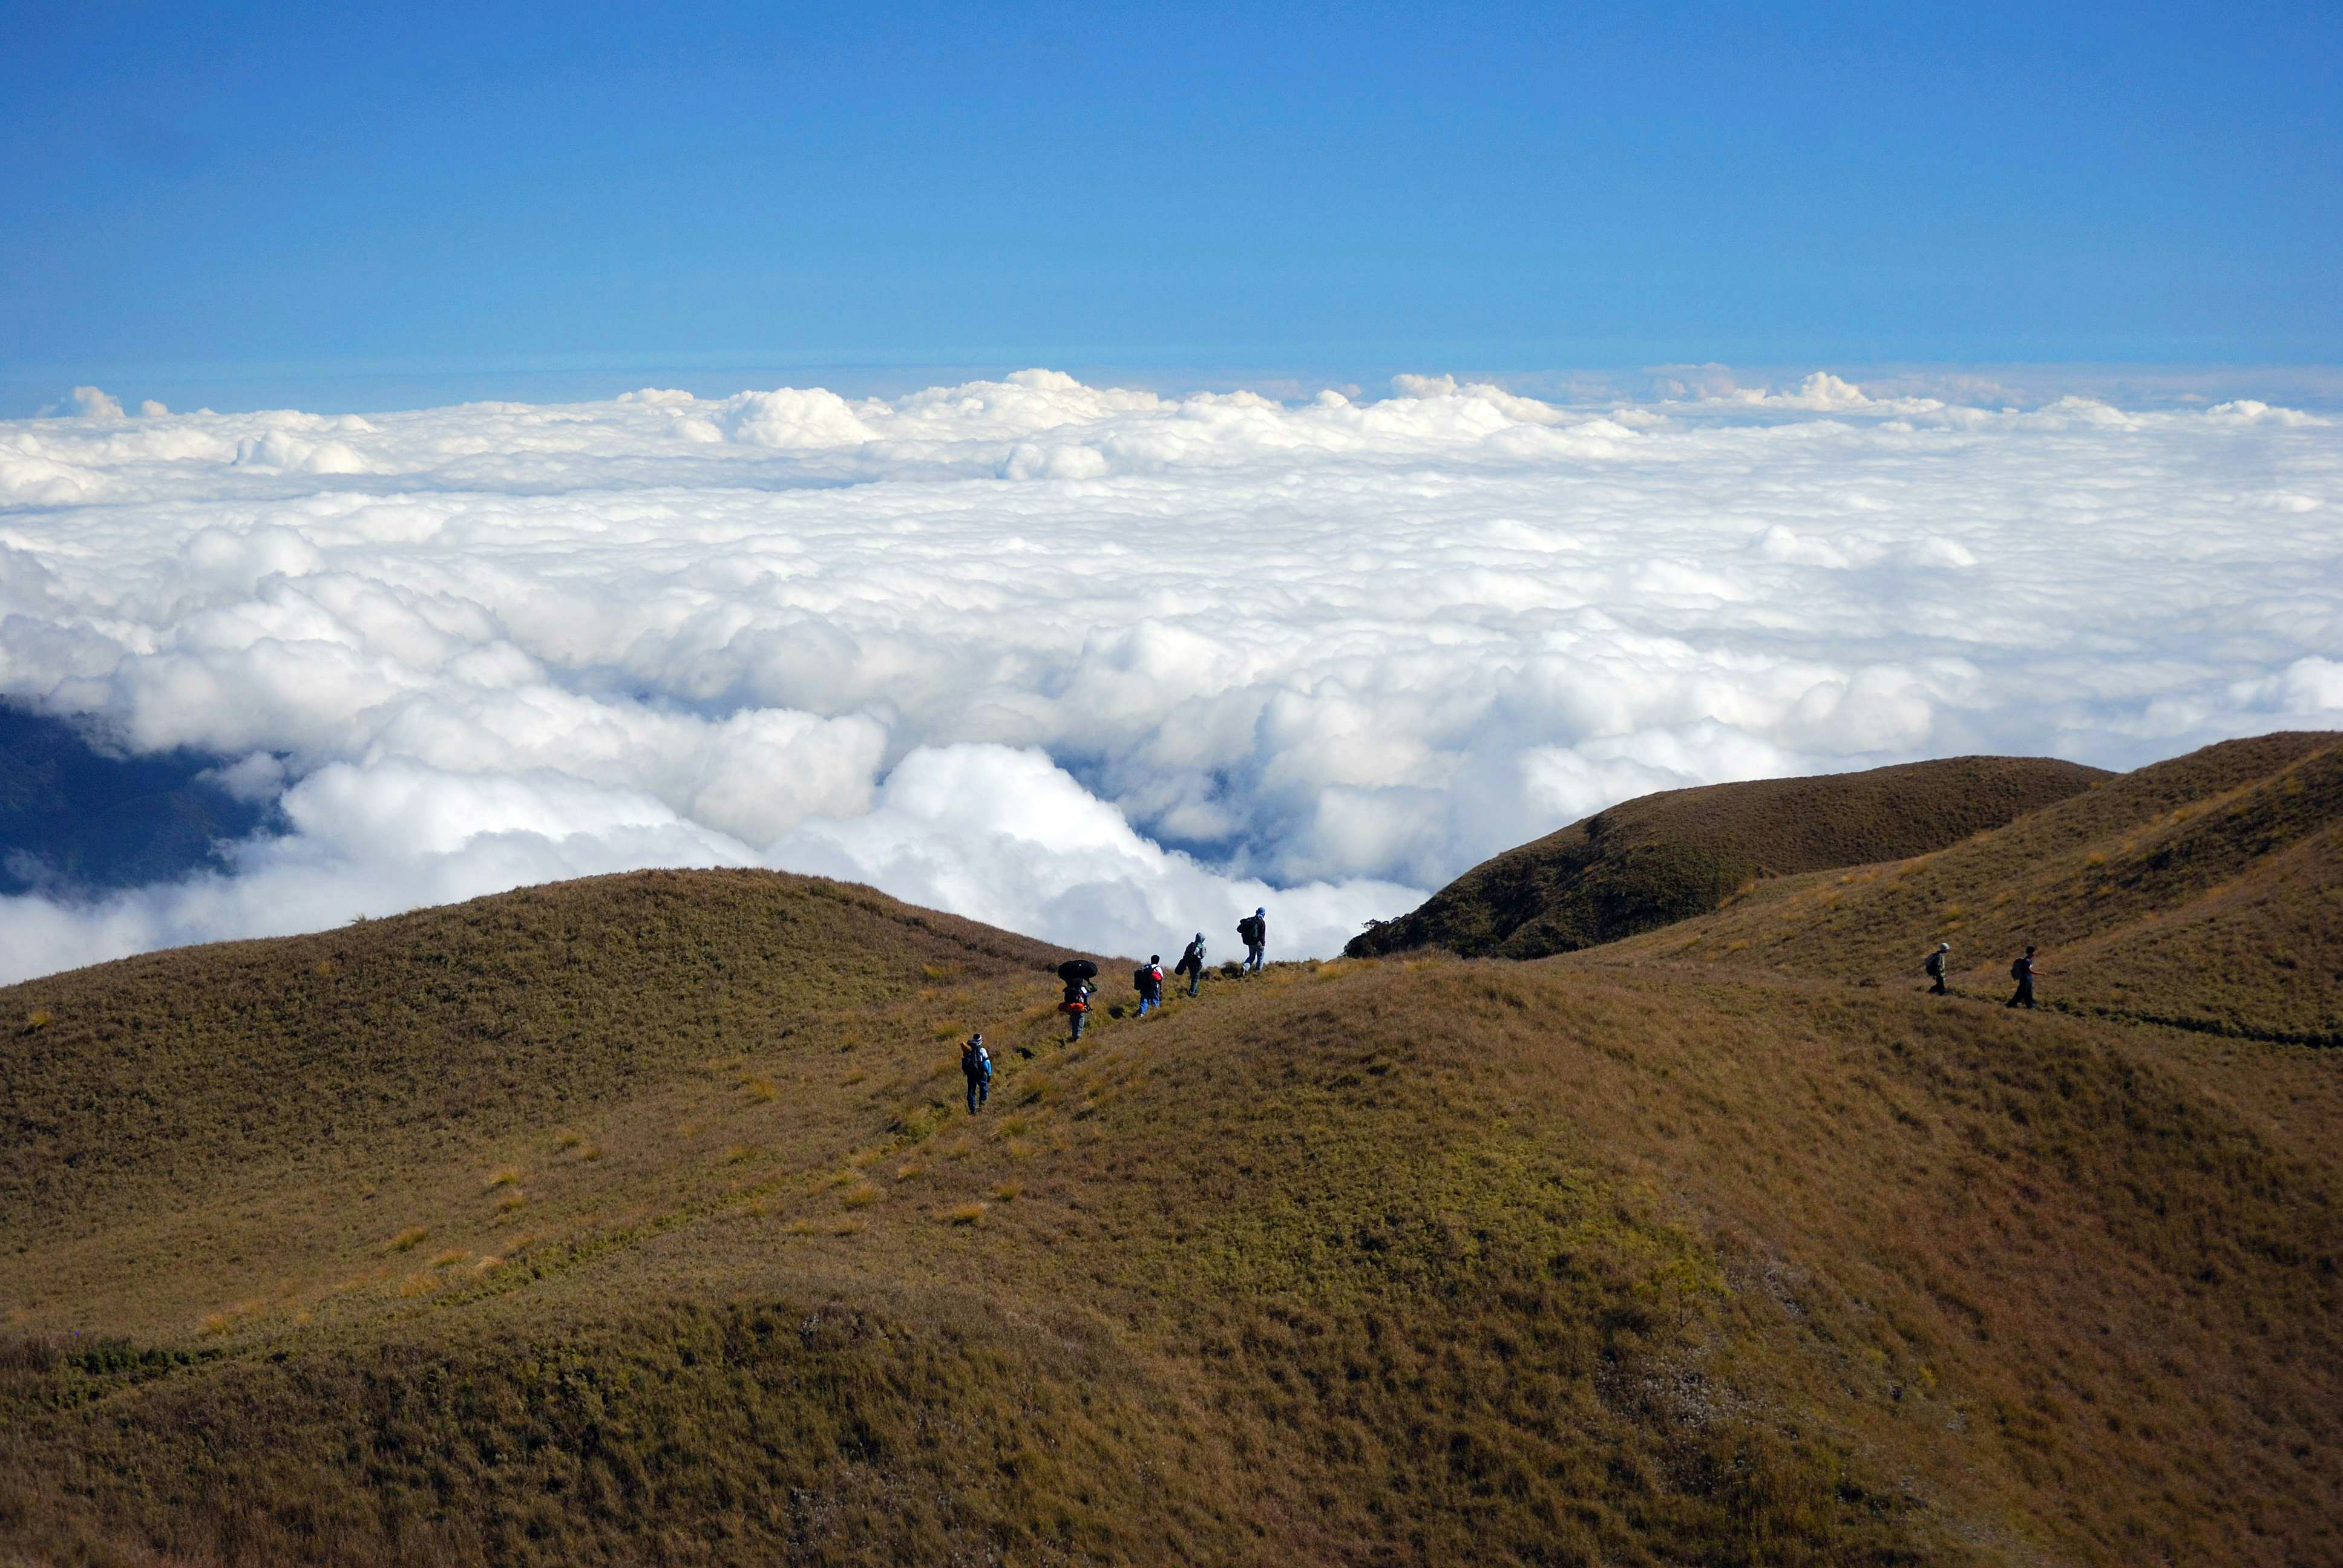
(1146, 979)
(2023, 972)
(1253, 931)
(1192, 963)
(1935, 968)
(976, 1066)
(1077, 973)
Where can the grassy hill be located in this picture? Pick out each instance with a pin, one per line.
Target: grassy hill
(2205, 892)
(1664, 857)
(637, 1221)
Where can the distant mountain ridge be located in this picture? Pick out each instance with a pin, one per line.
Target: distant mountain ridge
(1662, 857)
(76, 815)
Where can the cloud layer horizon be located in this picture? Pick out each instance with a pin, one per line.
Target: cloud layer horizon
(1110, 668)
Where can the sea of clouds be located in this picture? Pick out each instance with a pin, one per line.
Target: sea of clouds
(1111, 667)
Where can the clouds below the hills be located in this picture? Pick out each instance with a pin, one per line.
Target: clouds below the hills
(1107, 667)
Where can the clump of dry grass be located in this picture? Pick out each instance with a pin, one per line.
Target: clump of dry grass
(861, 1195)
(504, 1176)
(39, 1018)
(964, 1214)
(449, 1259)
(408, 1240)
(760, 1091)
(511, 1201)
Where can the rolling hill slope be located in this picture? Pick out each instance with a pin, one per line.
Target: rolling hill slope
(637, 1221)
(1664, 857)
(2205, 892)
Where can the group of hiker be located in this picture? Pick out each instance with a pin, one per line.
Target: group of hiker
(1080, 978)
(2021, 969)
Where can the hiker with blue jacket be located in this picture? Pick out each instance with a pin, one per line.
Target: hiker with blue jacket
(976, 1066)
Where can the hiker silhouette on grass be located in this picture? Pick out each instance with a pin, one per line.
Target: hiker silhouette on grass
(1938, 963)
(2023, 972)
(1146, 979)
(1078, 974)
(1192, 963)
(976, 1066)
(1253, 931)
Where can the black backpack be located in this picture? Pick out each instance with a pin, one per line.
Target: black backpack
(1139, 979)
(2019, 969)
(1935, 964)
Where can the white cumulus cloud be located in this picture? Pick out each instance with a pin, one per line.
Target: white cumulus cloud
(1110, 666)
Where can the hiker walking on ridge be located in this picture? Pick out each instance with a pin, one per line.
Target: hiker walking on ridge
(1935, 967)
(976, 1066)
(1146, 979)
(1192, 963)
(1078, 974)
(2023, 972)
(1253, 931)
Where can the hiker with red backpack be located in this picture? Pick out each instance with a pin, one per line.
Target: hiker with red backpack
(1077, 973)
(1146, 979)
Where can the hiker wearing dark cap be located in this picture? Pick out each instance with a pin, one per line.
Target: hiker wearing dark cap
(1147, 981)
(2023, 972)
(1192, 963)
(1077, 973)
(976, 1066)
(1937, 960)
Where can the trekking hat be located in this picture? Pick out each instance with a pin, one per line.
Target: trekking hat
(1260, 912)
(1944, 947)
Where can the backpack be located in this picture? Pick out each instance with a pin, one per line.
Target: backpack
(1249, 930)
(1139, 979)
(976, 1062)
(2019, 969)
(1935, 964)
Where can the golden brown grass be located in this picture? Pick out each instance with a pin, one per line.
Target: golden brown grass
(1425, 1262)
(2205, 892)
(1664, 857)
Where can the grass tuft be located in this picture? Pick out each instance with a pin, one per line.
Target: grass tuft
(410, 1239)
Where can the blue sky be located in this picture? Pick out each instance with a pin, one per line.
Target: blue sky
(220, 204)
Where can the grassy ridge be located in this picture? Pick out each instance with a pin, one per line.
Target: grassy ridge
(1622, 1258)
(2205, 892)
(1664, 857)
